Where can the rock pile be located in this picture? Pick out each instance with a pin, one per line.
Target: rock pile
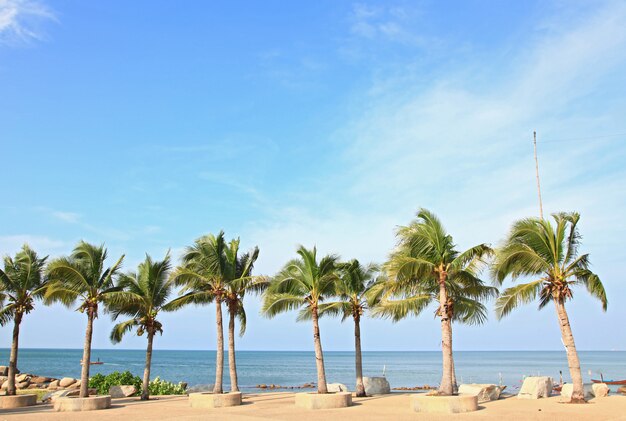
(277, 386)
(424, 387)
(31, 381)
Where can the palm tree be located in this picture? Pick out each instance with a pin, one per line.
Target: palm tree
(144, 294)
(21, 283)
(202, 276)
(548, 253)
(426, 267)
(356, 290)
(304, 283)
(239, 280)
(82, 276)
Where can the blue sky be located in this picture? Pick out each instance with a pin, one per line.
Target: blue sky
(147, 124)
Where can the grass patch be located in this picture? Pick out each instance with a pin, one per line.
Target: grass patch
(39, 392)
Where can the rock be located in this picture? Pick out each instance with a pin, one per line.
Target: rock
(337, 387)
(40, 379)
(535, 388)
(22, 378)
(66, 381)
(568, 389)
(52, 396)
(376, 386)
(4, 370)
(54, 384)
(22, 385)
(75, 385)
(5, 384)
(600, 390)
(622, 390)
(3, 379)
(484, 392)
(117, 392)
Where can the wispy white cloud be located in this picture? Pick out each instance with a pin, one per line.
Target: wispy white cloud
(20, 20)
(77, 219)
(464, 150)
(10, 244)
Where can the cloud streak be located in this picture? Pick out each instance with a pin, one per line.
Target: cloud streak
(20, 20)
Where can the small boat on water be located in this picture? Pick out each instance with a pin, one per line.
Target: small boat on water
(94, 362)
(609, 381)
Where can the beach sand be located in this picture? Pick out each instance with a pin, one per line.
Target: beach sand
(280, 406)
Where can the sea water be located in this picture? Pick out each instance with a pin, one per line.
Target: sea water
(293, 368)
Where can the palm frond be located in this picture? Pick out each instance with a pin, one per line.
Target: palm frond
(515, 296)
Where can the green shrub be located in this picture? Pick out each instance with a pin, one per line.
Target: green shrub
(162, 387)
(102, 383)
(157, 386)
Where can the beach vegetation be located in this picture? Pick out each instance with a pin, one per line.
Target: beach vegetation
(304, 283)
(426, 267)
(547, 252)
(356, 291)
(82, 276)
(22, 282)
(144, 295)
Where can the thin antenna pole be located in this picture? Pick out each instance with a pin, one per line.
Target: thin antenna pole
(537, 173)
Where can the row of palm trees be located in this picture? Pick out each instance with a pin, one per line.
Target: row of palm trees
(424, 268)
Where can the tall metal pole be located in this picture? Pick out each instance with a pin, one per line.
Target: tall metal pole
(537, 173)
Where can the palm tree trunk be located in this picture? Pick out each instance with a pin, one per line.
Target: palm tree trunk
(445, 388)
(219, 355)
(578, 395)
(84, 374)
(11, 390)
(360, 387)
(145, 393)
(455, 386)
(319, 355)
(232, 364)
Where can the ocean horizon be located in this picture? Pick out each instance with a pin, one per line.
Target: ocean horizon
(294, 368)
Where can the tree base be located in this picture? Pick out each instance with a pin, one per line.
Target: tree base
(214, 400)
(92, 403)
(323, 400)
(17, 401)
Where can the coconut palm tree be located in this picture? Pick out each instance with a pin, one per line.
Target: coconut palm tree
(144, 294)
(82, 276)
(202, 276)
(426, 267)
(21, 283)
(239, 281)
(304, 283)
(357, 291)
(548, 253)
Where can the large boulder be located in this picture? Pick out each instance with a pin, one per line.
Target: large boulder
(337, 387)
(535, 388)
(600, 390)
(376, 386)
(4, 370)
(5, 384)
(484, 392)
(22, 385)
(622, 390)
(54, 384)
(125, 391)
(41, 379)
(66, 382)
(22, 378)
(568, 389)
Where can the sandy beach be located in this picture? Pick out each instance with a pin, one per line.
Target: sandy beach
(280, 406)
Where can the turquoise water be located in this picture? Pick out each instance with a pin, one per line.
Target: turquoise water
(295, 368)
